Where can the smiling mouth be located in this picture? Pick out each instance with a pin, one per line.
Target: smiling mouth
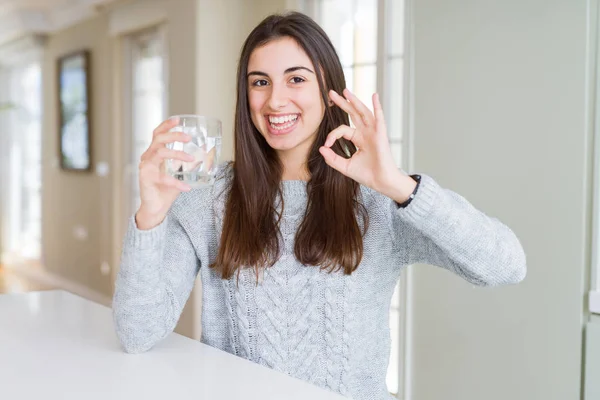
(281, 123)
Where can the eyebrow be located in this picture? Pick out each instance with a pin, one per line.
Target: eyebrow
(287, 71)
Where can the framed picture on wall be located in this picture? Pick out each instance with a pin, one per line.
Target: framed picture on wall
(74, 111)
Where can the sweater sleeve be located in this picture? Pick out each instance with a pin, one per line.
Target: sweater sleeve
(156, 277)
(441, 228)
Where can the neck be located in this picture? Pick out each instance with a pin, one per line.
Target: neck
(297, 172)
(294, 167)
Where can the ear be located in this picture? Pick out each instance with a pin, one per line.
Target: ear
(329, 101)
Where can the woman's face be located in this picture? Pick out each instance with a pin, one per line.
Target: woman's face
(284, 97)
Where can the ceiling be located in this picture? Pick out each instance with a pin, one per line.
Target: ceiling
(22, 17)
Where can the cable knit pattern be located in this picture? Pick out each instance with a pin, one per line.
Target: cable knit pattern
(229, 286)
(345, 373)
(329, 329)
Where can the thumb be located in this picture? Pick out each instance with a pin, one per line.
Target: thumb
(334, 161)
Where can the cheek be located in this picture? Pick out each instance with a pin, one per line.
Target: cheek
(313, 106)
(256, 102)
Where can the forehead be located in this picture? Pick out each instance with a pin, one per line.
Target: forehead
(278, 55)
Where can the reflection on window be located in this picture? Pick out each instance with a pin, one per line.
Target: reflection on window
(353, 27)
(147, 96)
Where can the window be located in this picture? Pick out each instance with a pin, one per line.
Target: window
(358, 28)
(352, 27)
(369, 38)
(21, 162)
(146, 72)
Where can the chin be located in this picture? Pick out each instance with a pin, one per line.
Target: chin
(287, 142)
(282, 146)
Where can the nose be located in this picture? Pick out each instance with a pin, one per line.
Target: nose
(279, 97)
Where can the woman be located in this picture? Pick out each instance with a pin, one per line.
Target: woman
(301, 241)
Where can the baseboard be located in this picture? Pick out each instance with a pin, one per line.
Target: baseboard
(43, 276)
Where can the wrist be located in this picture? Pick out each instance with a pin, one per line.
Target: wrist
(146, 220)
(398, 187)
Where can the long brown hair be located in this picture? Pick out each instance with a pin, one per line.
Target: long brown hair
(329, 236)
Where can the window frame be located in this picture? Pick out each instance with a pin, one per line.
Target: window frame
(594, 121)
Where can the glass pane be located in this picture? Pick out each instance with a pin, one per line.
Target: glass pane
(365, 84)
(365, 35)
(27, 116)
(337, 21)
(396, 24)
(148, 99)
(392, 372)
(394, 116)
(145, 70)
(396, 148)
(349, 74)
(147, 114)
(352, 27)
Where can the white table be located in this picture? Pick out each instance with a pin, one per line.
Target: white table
(55, 345)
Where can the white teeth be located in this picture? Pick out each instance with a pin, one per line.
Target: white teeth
(282, 127)
(283, 119)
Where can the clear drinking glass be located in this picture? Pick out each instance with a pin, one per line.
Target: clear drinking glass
(205, 146)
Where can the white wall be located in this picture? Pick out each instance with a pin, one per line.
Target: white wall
(74, 201)
(499, 118)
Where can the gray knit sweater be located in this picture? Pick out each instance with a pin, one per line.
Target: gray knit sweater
(329, 329)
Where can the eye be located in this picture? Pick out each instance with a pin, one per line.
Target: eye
(297, 79)
(260, 82)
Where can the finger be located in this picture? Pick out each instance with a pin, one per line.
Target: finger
(170, 137)
(210, 159)
(165, 126)
(342, 103)
(347, 133)
(174, 165)
(362, 110)
(379, 117)
(169, 181)
(163, 153)
(149, 176)
(158, 155)
(335, 161)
